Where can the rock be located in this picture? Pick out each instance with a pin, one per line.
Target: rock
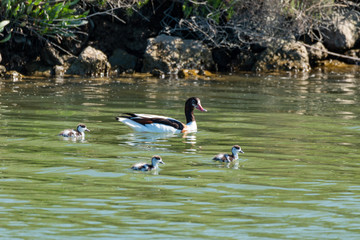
(14, 76)
(185, 73)
(91, 62)
(245, 60)
(59, 70)
(157, 73)
(38, 69)
(2, 70)
(340, 67)
(194, 73)
(123, 60)
(169, 54)
(317, 52)
(222, 58)
(355, 53)
(45, 73)
(343, 32)
(51, 56)
(288, 56)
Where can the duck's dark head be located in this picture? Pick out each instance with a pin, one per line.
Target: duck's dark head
(82, 128)
(194, 102)
(236, 149)
(156, 159)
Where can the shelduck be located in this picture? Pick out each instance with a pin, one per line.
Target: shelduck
(224, 157)
(78, 133)
(162, 124)
(155, 160)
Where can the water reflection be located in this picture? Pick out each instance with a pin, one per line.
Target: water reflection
(160, 141)
(73, 139)
(152, 172)
(190, 142)
(149, 141)
(311, 95)
(237, 164)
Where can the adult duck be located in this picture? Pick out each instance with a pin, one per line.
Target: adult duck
(224, 157)
(161, 124)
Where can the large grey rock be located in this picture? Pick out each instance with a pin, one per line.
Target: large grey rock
(317, 52)
(123, 60)
(170, 54)
(91, 62)
(286, 56)
(245, 60)
(343, 32)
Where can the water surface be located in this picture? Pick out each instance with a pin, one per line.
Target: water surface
(298, 179)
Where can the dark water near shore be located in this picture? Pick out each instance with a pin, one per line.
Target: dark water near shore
(298, 179)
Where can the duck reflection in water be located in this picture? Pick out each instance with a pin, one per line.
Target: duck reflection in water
(158, 141)
(189, 139)
(234, 165)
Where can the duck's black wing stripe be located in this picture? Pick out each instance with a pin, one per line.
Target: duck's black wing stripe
(129, 115)
(170, 122)
(148, 120)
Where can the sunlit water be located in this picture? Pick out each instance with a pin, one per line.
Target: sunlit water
(298, 179)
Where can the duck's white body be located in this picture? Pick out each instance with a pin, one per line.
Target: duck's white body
(72, 133)
(157, 127)
(162, 124)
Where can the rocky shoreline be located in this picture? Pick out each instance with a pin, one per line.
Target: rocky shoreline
(111, 48)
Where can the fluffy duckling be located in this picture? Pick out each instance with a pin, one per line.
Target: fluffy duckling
(224, 157)
(79, 132)
(155, 160)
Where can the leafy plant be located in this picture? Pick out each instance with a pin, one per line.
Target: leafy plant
(212, 9)
(2, 26)
(44, 18)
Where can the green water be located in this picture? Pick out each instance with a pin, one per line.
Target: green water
(298, 179)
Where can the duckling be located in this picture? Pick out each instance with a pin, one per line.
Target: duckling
(79, 132)
(224, 157)
(155, 160)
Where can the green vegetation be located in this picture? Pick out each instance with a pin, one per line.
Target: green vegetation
(218, 22)
(54, 19)
(2, 26)
(212, 9)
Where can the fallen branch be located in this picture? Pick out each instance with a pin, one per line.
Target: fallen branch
(333, 53)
